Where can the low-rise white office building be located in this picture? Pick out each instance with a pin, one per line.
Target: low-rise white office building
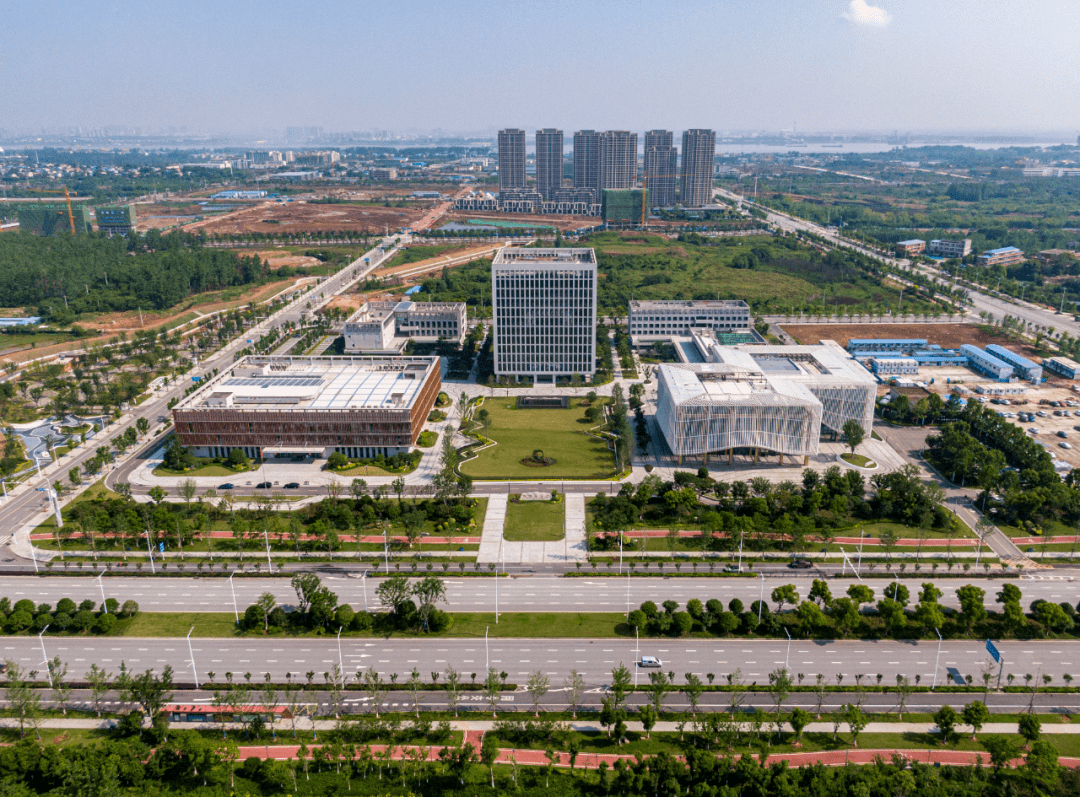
(650, 321)
(388, 326)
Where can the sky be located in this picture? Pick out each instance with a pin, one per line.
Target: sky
(241, 66)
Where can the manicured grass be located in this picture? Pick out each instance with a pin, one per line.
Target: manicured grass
(858, 460)
(177, 624)
(427, 439)
(561, 434)
(364, 470)
(1050, 528)
(202, 470)
(534, 521)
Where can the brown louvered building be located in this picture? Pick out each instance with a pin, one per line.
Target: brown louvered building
(359, 406)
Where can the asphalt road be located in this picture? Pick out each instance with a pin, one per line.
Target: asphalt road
(522, 594)
(593, 659)
(473, 705)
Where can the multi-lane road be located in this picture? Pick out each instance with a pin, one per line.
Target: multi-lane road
(515, 594)
(593, 659)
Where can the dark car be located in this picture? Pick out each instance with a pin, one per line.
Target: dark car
(225, 486)
(263, 486)
(292, 486)
(800, 564)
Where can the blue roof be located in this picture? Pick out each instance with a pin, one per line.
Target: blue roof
(912, 241)
(985, 356)
(20, 322)
(1001, 251)
(414, 289)
(1011, 357)
(885, 341)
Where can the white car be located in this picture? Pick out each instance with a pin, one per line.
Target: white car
(650, 661)
(1065, 445)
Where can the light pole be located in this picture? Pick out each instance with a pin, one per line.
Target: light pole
(269, 564)
(628, 596)
(936, 659)
(363, 580)
(191, 653)
(740, 550)
(150, 550)
(44, 655)
(637, 655)
(496, 599)
(340, 661)
(761, 596)
(487, 655)
(858, 569)
(104, 607)
(386, 546)
(236, 610)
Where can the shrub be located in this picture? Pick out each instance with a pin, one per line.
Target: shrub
(67, 606)
(83, 620)
(345, 615)
(361, 621)
(105, 623)
(19, 621)
(129, 609)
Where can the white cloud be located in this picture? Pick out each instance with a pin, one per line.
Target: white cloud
(859, 12)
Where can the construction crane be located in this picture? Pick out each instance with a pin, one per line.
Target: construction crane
(67, 196)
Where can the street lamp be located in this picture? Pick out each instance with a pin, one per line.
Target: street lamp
(341, 665)
(194, 672)
(104, 606)
(761, 596)
(44, 655)
(787, 656)
(236, 610)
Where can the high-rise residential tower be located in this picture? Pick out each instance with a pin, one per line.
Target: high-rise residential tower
(660, 167)
(544, 306)
(511, 160)
(587, 161)
(549, 160)
(618, 160)
(698, 157)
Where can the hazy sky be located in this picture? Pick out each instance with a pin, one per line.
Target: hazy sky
(251, 65)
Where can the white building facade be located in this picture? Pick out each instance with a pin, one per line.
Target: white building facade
(650, 321)
(544, 305)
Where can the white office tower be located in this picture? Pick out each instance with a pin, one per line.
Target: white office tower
(544, 303)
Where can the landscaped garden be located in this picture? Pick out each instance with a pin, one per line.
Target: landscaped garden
(561, 435)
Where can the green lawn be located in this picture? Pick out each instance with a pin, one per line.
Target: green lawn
(202, 470)
(858, 460)
(534, 521)
(561, 434)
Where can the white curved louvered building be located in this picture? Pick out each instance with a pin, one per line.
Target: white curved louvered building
(772, 399)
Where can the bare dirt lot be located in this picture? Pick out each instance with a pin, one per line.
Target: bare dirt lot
(275, 217)
(948, 336)
(276, 258)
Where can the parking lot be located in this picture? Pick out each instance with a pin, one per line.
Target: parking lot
(1056, 428)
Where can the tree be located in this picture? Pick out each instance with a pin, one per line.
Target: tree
(975, 714)
(266, 604)
(972, 608)
(693, 690)
(398, 486)
(150, 692)
(374, 687)
(844, 614)
(61, 688)
(489, 752)
(428, 591)
(780, 679)
(575, 688)
(785, 594)
(24, 700)
(99, 686)
(860, 594)
(414, 685)
(537, 686)
(658, 689)
(799, 719)
(492, 690)
(820, 592)
(1002, 750)
(620, 685)
(648, 716)
(453, 688)
(853, 434)
(1029, 727)
(856, 721)
(946, 718)
(238, 460)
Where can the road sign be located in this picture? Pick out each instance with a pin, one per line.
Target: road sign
(993, 651)
(161, 547)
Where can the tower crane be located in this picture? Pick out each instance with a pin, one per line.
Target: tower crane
(67, 196)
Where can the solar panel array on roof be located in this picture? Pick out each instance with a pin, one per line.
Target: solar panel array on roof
(274, 381)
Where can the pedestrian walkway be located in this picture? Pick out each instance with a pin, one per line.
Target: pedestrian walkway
(491, 536)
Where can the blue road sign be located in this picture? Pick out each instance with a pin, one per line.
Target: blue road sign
(161, 547)
(993, 651)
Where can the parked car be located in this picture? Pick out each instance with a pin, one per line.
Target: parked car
(263, 486)
(292, 486)
(650, 661)
(1062, 434)
(732, 569)
(800, 564)
(1033, 430)
(225, 486)
(1065, 445)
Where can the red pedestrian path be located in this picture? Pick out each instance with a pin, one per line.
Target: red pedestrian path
(528, 757)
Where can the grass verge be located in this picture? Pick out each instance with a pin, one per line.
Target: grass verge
(534, 521)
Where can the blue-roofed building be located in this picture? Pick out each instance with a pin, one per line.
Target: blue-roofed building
(1022, 365)
(28, 321)
(1005, 256)
(414, 289)
(986, 363)
(898, 345)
